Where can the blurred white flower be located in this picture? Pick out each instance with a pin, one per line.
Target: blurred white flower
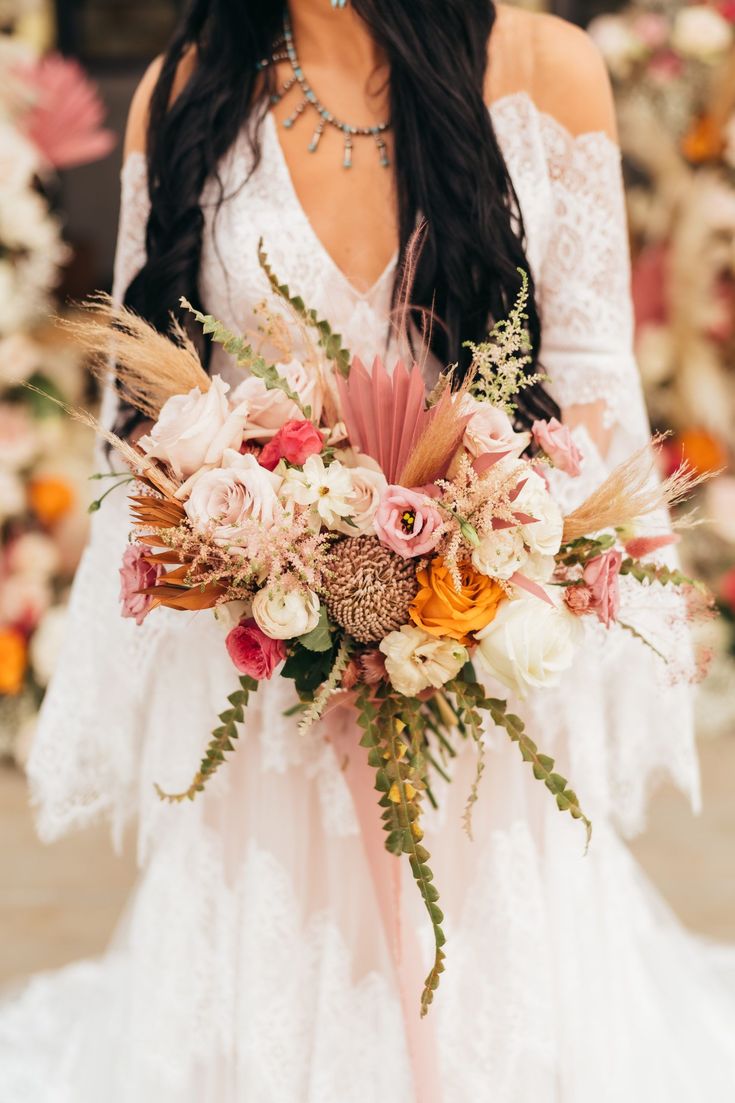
(33, 554)
(12, 495)
(18, 443)
(19, 357)
(720, 506)
(19, 158)
(700, 32)
(23, 600)
(655, 350)
(46, 644)
(33, 253)
(617, 43)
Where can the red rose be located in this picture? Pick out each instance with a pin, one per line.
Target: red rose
(254, 653)
(294, 442)
(601, 576)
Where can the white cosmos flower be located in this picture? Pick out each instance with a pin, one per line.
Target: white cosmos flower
(286, 614)
(500, 553)
(415, 660)
(326, 488)
(528, 645)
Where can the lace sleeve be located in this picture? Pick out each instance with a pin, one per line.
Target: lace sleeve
(584, 286)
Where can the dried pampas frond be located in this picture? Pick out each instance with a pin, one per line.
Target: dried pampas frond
(149, 367)
(432, 454)
(632, 491)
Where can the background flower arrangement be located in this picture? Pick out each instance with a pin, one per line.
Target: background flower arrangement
(50, 118)
(673, 70)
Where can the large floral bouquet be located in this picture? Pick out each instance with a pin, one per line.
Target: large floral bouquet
(364, 538)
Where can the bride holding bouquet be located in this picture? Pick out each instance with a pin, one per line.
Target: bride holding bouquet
(310, 188)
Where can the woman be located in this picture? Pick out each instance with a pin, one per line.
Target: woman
(254, 965)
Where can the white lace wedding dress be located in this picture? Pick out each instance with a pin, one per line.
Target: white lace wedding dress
(252, 965)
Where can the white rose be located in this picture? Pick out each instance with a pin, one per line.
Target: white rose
(500, 553)
(363, 500)
(223, 500)
(528, 645)
(415, 660)
(12, 495)
(46, 644)
(544, 533)
(194, 429)
(18, 443)
(35, 554)
(268, 410)
(490, 431)
(286, 614)
(539, 568)
(700, 32)
(327, 488)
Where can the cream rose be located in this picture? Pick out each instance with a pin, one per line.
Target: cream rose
(415, 660)
(500, 553)
(542, 535)
(528, 645)
(490, 431)
(223, 500)
(286, 614)
(268, 410)
(364, 498)
(194, 430)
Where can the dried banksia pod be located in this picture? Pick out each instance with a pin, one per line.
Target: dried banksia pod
(370, 589)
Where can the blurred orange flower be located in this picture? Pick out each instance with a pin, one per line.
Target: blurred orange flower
(703, 142)
(51, 498)
(701, 450)
(443, 611)
(13, 661)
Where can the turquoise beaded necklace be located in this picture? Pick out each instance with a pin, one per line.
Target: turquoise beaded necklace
(286, 51)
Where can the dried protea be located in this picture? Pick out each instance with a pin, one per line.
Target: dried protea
(369, 588)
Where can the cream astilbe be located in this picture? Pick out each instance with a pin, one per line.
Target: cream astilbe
(149, 367)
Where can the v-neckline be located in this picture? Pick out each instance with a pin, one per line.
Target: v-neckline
(338, 271)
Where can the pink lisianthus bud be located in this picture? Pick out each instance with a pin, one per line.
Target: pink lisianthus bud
(601, 575)
(577, 599)
(137, 574)
(641, 546)
(254, 653)
(408, 522)
(556, 441)
(294, 442)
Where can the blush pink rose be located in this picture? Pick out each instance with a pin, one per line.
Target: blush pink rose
(294, 442)
(137, 574)
(601, 575)
(555, 440)
(408, 522)
(254, 653)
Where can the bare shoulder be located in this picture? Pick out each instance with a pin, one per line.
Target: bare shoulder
(557, 64)
(136, 132)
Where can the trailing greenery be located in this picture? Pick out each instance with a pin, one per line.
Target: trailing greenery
(470, 698)
(315, 708)
(222, 741)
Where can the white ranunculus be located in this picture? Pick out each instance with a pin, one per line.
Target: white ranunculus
(221, 501)
(195, 429)
(367, 488)
(286, 614)
(18, 443)
(544, 534)
(46, 644)
(500, 553)
(268, 410)
(415, 660)
(12, 495)
(34, 554)
(490, 430)
(326, 488)
(700, 32)
(528, 645)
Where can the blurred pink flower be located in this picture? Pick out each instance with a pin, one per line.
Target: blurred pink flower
(641, 546)
(652, 29)
(665, 67)
(137, 574)
(65, 122)
(649, 286)
(727, 589)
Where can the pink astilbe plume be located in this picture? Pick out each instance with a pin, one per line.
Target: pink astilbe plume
(65, 121)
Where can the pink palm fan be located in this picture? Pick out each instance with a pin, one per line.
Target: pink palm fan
(65, 121)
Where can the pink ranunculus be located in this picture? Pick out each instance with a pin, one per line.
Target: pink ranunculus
(577, 599)
(254, 653)
(294, 442)
(556, 441)
(601, 575)
(408, 522)
(137, 574)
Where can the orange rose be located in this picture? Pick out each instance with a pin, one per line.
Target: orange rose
(443, 611)
(12, 661)
(50, 498)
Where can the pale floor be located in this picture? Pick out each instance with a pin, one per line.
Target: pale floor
(61, 902)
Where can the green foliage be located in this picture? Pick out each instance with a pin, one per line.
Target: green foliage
(328, 340)
(315, 708)
(469, 698)
(308, 669)
(40, 394)
(658, 572)
(245, 355)
(320, 638)
(584, 549)
(222, 741)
